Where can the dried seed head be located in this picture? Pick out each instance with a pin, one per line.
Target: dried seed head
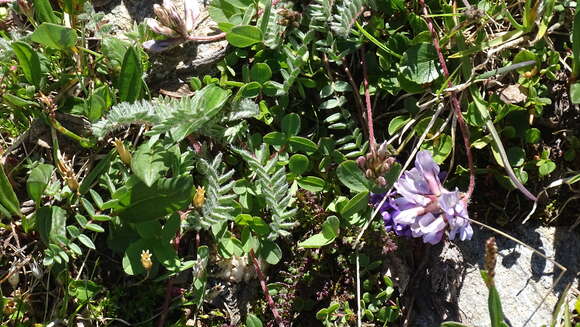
(199, 197)
(146, 260)
(490, 259)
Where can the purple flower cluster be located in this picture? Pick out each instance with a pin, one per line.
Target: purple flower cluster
(423, 207)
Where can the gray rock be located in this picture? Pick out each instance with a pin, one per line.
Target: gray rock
(524, 279)
(450, 288)
(190, 59)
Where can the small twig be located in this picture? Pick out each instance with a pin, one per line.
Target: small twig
(169, 286)
(269, 299)
(356, 96)
(454, 101)
(372, 139)
(358, 306)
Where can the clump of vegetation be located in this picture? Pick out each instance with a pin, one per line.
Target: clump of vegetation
(254, 196)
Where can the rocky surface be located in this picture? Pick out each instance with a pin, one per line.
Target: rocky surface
(452, 287)
(173, 67)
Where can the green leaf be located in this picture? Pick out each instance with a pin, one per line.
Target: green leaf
(298, 143)
(253, 321)
(51, 223)
(420, 64)
(298, 164)
(55, 36)
(351, 176)
(244, 36)
(148, 163)
(331, 227)
(516, 156)
(130, 82)
(137, 202)
(18, 101)
(546, 167)
(575, 93)
(261, 73)
(532, 135)
(38, 180)
(8, 198)
(494, 306)
(397, 123)
(355, 205)
(44, 12)
(576, 48)
(83, 290)
(270, 252)
(86, 241)
(330, 230)
(291, 124)
(275, 138)
(94, 227)
(312, 183)
(251, 90)
(440, 147)
(29, 62)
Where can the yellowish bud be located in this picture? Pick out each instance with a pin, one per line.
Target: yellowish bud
(122, 151)
(199, 197)
(146, 260)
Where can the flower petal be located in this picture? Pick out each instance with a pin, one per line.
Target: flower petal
(430, 171)
(157, 46)
(191, 13)
(158, 28)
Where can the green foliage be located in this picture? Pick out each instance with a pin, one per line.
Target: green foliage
(218, 206)
(272, 180)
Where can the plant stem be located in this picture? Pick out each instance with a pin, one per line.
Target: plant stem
(454, 101)
(269, 299)
(207, 38)
(372, 139)
(357, 97)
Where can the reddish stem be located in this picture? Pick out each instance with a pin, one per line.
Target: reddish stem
(207, 38)
(356, 96)
(454, 101)
(372, 139)
(169, 285)
(269, 299)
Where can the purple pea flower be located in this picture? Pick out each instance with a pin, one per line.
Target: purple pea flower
(388, 210)
(427, 207)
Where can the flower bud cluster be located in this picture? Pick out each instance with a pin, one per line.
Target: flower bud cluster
(376, 164)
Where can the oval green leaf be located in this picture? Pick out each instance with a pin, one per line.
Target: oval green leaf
(244, 36)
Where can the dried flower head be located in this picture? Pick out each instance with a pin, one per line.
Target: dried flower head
(124, 154)
(67, 173)
(199, 197)
(172, 24)
(490, 260)
(146, 260)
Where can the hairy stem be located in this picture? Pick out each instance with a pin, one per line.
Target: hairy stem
(372, 139)
(454, 101)
(269, 299)
(357, 97)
